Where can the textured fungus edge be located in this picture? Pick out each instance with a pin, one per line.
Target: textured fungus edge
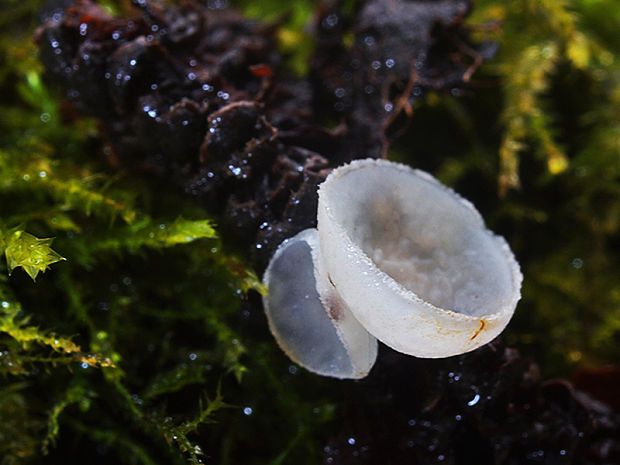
(310, 236)
(348, 322)
(515, 270)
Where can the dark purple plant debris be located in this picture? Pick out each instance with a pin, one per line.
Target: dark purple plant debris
(196, 95)
(486, 407)
(400, 51)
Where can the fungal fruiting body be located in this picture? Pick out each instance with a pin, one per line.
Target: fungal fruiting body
(398, 257)
(309, 320)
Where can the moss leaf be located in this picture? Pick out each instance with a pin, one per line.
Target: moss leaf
(183, 231)
(34, 255)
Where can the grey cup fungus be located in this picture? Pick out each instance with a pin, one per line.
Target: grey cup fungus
(397, 256)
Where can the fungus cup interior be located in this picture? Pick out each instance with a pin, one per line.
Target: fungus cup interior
(422, 234)
(413, 260)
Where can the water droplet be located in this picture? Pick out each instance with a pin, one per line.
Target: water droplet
(474, 401)
(351, 441)
(247, 411)
(332, 20)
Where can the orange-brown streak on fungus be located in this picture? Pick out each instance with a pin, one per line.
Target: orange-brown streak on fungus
(479, 330)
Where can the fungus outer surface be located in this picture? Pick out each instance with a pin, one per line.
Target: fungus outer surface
(316, 331)
(413, 260)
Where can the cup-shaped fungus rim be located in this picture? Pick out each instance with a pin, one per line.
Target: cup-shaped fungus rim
(308, 320)
(404, 320)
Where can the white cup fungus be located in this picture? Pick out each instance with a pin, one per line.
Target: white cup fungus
(398, 257)
(310, 322)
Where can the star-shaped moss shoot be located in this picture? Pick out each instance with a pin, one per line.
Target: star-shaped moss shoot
(34, 255)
